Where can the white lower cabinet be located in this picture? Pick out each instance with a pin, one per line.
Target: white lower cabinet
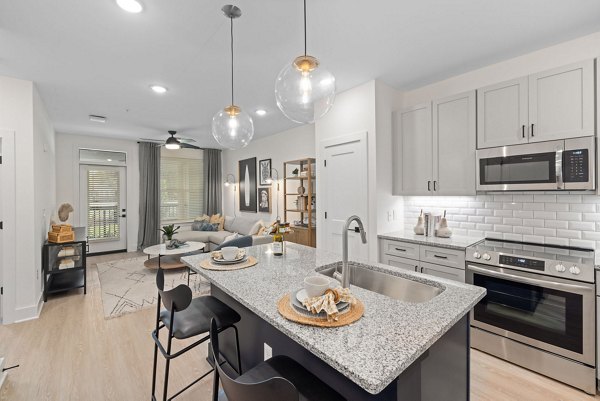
(450, 273)
(449, 263)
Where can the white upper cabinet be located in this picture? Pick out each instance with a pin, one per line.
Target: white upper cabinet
(413, 151)
(436, 159)
(561, 103)
(502, 114)
(550, 105)
(454, 145)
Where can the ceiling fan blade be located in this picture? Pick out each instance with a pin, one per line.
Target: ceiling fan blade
(188, 146)
(185, 140)
(151, 140)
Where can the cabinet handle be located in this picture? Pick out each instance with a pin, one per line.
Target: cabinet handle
(532, 129)
(400, 249)
(523, 130)
(421, 269)
(434, 182)
(429, 185)
(440, 257)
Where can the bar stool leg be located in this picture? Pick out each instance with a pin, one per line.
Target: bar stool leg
(154, 370)
(215, 396)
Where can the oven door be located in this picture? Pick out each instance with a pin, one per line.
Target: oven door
(552, 314)
(521, 167)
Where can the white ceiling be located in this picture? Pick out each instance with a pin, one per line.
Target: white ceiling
(91, 57)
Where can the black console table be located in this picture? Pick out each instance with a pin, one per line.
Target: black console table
(64, 265)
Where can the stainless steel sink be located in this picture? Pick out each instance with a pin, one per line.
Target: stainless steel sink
(395, 287)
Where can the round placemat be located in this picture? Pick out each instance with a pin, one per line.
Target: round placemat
(286, 310)
(208, 265)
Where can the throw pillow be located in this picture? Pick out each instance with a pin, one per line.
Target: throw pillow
(204, 218)
(199, 226)
(231, 237)
(218, 219)
(256, 227)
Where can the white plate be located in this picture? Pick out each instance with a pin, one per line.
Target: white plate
(230, 262)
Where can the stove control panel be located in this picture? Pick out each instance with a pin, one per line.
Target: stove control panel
(526, 263)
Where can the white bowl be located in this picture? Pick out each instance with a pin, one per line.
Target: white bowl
(230, 252)
(316, 285)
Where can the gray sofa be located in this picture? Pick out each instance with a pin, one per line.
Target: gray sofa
(240, 224)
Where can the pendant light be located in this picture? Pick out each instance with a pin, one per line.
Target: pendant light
(232, 127)
(304, 90)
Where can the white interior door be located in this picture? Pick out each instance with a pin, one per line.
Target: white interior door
(103, 207)
(7, 231)
(345, 191)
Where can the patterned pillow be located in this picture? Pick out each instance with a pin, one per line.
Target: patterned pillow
(203, 219)
(201, 226)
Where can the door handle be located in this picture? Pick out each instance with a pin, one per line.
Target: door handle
(523, 130)
(123, 215)
(434, 183)
(532, 129)
(429, 185)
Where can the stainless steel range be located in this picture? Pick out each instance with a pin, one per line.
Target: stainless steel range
(539, 310)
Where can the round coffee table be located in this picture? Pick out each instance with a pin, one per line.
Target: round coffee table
(170, 258)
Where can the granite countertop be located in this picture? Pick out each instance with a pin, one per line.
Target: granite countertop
(454, 242)
(371, 352)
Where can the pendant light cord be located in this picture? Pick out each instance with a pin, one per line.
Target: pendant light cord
(304, 27)
(231, 20)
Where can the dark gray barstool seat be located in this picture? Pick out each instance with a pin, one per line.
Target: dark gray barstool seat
(195, 319)
(279, 378)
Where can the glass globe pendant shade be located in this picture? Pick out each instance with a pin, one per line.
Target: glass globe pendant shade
(232, 128)
(304, 91)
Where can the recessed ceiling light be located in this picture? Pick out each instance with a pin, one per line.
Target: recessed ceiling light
(261, 112)
(159, 89)
(97, 119)
(108, 160)
(131, 6)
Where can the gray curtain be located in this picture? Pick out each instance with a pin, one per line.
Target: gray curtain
(148, 233)
(212, 182)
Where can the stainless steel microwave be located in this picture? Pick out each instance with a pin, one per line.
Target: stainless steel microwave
(567, 165)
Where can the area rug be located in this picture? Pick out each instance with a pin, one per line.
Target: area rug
(127, 286)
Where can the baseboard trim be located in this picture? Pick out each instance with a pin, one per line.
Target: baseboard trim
(107, 252)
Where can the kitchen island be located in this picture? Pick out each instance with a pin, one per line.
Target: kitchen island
(396, 351)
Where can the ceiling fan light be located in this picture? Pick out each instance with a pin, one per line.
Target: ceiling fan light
(172, 143)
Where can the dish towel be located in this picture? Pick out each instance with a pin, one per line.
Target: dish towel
(327, 302)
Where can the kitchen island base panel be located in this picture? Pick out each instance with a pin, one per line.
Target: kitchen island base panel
(440, 373)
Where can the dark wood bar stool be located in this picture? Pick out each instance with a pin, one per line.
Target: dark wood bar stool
(186, 317)
(279, 378)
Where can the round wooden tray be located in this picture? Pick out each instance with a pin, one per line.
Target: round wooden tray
(287, 311)
(206, 264)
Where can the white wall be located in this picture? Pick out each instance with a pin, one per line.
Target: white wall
(583, 48)
(22, 111)
(67, 176)
(296, 143)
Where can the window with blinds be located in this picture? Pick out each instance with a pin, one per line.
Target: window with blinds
(103, 189)
(181, 185)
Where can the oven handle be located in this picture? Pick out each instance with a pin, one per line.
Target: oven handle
(532, 281)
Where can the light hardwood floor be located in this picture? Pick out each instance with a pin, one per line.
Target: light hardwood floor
(72, 353)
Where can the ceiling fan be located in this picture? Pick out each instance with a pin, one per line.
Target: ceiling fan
(174, 142)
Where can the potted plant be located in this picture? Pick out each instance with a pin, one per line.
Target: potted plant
(169, 231)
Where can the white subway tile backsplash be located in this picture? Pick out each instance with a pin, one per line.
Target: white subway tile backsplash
(545, 232)
(562, 219)
(523, 214)
(533, 223)
(544, 198)
(533, 206)
(556, 224)
(581, 207)
(569, 216)
(556, 207)
(512, 221)
(571, 234)
(582, 225)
